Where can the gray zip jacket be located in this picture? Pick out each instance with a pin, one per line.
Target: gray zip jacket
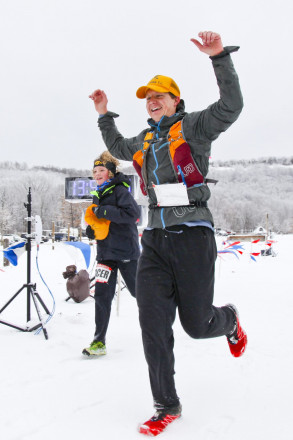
(200, 128)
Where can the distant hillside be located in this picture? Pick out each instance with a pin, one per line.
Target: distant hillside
(286, 161)
(247, 191)
(47, 190)
(68, 172)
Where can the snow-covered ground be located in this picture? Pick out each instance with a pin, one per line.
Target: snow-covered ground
(50, 391)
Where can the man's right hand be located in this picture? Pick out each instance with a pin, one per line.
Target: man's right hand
(211, 43)
(100, 100)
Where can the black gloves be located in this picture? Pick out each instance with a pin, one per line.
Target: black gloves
(90, 233)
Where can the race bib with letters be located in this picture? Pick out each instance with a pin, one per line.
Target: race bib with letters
(102, 273)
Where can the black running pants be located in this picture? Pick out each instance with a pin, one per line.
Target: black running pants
(176, 270)
(104, 293)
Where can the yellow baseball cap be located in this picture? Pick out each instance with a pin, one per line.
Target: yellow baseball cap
(159, 83)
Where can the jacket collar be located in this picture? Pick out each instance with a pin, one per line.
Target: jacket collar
(118, 179)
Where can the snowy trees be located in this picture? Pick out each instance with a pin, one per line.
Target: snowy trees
(6, 220)
(72, 213)
(47, 190)
(246, 192)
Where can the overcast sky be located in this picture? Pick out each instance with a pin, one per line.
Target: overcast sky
(54, 53)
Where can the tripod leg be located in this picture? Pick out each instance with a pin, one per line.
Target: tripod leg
(42, 302)
(22, 329)
(33, 294)
(11, 299)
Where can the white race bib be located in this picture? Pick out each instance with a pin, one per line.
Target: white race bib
(102, 273)
(171, 194)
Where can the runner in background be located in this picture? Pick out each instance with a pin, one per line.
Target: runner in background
(112, 220)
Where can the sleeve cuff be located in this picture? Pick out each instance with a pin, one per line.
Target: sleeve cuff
(111, 114)
(227, 50)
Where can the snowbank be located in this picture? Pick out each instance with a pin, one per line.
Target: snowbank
(50, 391)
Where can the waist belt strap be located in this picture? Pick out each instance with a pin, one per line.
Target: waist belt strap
(197, 204)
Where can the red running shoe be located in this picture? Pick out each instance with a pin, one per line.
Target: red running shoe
(237, 340)
(158, 423)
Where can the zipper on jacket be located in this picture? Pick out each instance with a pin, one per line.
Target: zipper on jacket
(157, 165)
(162, 218)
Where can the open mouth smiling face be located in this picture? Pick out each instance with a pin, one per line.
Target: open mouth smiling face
(100, 174)
(160, 104)
(156, 109)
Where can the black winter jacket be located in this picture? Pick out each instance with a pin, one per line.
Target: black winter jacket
(115, 203)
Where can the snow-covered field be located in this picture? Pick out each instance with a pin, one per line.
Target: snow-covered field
(50, 391)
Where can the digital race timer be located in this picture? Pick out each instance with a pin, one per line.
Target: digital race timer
(79, 188)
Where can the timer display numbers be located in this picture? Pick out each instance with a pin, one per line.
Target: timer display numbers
(79, 188)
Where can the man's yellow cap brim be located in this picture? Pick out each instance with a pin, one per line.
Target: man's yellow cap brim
(161, 84)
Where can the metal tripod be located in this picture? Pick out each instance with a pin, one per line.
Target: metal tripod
(30, 287)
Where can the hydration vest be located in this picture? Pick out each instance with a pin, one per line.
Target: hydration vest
(183, 163)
